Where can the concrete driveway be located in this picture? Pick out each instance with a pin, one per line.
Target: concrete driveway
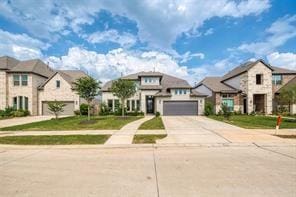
(202, 130)
(23, 120)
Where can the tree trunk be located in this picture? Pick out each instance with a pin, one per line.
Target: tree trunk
(56, 115)
(122, 107)
(88, 111)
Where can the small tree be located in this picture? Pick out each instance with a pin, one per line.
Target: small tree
(123, 89)
(56, 107)
(225, 111)
(209, 108)
(87, 88)
(288, 95)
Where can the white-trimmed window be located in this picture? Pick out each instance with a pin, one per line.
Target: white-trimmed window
(24, 80)
(180, 91)
(277, 79)
(16, 80)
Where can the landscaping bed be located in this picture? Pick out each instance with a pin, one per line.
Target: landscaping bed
(54, 139)
(147, 139)
(152, 124)
(256, 122)
(76, 123)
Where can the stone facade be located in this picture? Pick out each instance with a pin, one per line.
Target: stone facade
(264, 88)
(3, 90)
(63, 93)
(30, 91)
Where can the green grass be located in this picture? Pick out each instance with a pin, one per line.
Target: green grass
(287, 136)
(54, 139)
(75, 123)
(147, 139)
(153, 124)
(256, 122)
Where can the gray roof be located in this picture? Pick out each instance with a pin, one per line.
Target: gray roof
(167, 81)
(7, 63)
(277, 70)
(68, 75)
(150, 87)
(195, 93)
(35, 66)
(243, 68)
(215, 84)
(291, 82)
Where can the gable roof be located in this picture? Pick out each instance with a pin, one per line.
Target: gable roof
(278, 70)
(215, 84)
(243, 68)
(7, 63)
(167, 81)
(35, 66)
(291, 82)
(68, 75)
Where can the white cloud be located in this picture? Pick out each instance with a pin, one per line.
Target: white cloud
(124, 39)
(20, 46)
(188, 56)
(159, 22)
(110, 66)
(209, 32)
(277, 34)
(284, 60)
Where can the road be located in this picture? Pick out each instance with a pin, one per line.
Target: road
(231, 170)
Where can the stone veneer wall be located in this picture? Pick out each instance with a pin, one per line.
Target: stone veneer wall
(265, 88)
(29, 91)
(3, 90)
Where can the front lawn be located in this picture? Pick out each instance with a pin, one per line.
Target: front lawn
(256, 122)
(75, 123)
(147, 139)
(152, 124)
(54, 139)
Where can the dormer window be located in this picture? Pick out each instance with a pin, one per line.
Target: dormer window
(58, 83)
(259, 78)
(180, 91)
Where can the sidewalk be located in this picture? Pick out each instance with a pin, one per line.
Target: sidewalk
(125, 134)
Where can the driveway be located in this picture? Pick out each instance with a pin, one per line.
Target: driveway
(23, 120)
(202, 130)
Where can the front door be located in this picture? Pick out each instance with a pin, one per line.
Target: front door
(149, 104)
(245, 105)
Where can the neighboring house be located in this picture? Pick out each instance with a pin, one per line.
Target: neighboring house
(158, 92)
(250, 87)
(30, 84)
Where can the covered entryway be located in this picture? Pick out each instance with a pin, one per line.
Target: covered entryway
(259, 103)
(68, 109)
(173, 108)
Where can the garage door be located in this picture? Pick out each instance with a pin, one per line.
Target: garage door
(68, 109)
(171, 108)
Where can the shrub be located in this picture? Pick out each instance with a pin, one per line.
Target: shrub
(157, 114)
(83, 109)
(18, 113)
(225, 111)
(77, 112)
(220, 113)
(209, 108)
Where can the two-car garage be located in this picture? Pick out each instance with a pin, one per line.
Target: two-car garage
(177, 108)
(67, 110)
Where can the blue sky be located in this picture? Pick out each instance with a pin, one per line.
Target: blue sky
(190, 39)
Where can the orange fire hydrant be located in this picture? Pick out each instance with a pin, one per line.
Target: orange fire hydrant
(278, 123)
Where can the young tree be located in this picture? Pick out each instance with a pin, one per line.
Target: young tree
(288, 95)
(56, 107)
(87, 88)
(123, 89)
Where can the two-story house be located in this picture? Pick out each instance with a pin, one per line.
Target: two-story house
(158, 92)
(250, 87)
(30, 84)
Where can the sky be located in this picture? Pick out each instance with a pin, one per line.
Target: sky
(189, 39)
